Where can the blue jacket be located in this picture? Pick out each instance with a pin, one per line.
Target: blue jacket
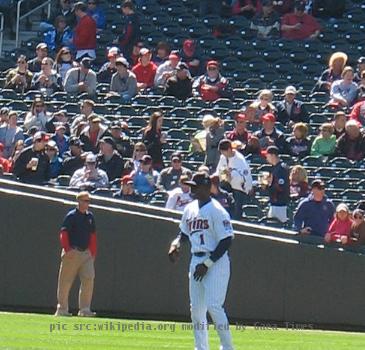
(316, 215)
(54, 42)
(98, 16)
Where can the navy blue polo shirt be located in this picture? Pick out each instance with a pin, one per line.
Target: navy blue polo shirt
(79, 227)
(279, 191)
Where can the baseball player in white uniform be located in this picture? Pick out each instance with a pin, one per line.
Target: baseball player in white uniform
(207, 225)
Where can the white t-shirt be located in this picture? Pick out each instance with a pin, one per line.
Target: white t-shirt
(178, 199)
(205, 226)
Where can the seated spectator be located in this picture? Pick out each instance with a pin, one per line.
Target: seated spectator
(180, 85)
(329, 8)
(234, 175)
(109, 159)
(261, 106)
(59, 118)
(266, 23)
(10, 134)
(359, 70)
(336, 65)
(124, 82)
(180, 196)
(299, 145)
(212, 85)
(277, 184)
(162, 53)
(283, 6)
(84, 38)
(5, 164)
(59, 36)
(145, 178)
(240, 132)
(89, 177)
(108, 68)
(325, 143)
(191, 55)
(214, 135)
(86, 109)
(352, 143)
(35, 64)
(340, 227)
(73, 159)
(315, 213)
(299, 25)
(81, 79)
(269, 135)
(166, 70)
(298, 180)
(339, 124)
(131, 32)
(344, 91)
(55, 161)
(127, 192)
(290, 110)
(32, 164)
(19, 146)
(64, 62)
(139, 151)
(60, 139)
(47, 80)
(123, 144)
(154, 139)
(169, 177)
(97, 13)
(37, 116)
(223, 197)
(145, 70)
(93, 133)
(357, 231)
(20, 78)
(247, 8)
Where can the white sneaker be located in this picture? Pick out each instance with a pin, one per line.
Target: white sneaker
(62, 313)
(86, 313)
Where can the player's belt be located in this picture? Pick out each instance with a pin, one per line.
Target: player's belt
(79, 249)
(201, 254)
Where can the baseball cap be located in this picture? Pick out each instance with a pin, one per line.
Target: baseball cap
(146, 159)
(199, 179)
(351, 122)
(52, 144)
(272, 150)
(318, 183)
(4, 110)
(75, 141)
(42, 46)
(40, 136)
(225, 145)
(122, 61)
(342, 207)
(90, 158)
(212, 63)
(299, 5)
(240, 117)
(109, 141)
(144, 51)
(184, 178)
(94, 118)
(113, 51)
(361, 60)
(189, 45)
(176, 155)
(182, 66)
(126, 179)
(290, 90)
(115, 125)
(86, 62)
(268, 117)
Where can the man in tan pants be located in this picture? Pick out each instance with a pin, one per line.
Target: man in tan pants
(78, 241)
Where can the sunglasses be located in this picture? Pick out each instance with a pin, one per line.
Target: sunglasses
(358, 217)
(66, 53)
(140, 150)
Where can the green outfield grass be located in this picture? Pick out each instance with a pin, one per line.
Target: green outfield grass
(31, 331)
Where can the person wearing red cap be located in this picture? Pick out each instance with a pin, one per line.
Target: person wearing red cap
(145, 70)
(192, 57)
(212, 85)
(240, 132)
(167, 69)
(32, 165)
(127, 192)
(269, 135)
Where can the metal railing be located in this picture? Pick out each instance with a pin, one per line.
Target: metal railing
(1, 32)
(20, 18)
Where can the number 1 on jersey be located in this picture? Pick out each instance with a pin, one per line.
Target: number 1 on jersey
(202, 239)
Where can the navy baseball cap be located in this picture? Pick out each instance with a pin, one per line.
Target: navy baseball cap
(108, 140)
(75, 141)
(272, 150)
(199, 179)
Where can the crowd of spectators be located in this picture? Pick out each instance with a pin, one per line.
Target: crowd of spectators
(90, 152)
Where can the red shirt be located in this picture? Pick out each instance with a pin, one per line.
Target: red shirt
(85, 34)
(145, 74)
(339, 228)
(309, 26)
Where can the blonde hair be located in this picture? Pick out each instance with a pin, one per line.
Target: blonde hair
(346, 70)
(337, 55)
(138, 145)
(302, 127)
(300, 172)
(266, 92)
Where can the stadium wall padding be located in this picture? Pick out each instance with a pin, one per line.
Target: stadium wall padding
(271, 280)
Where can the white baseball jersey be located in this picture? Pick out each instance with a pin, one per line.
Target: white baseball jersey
(205, 226)
(178, 199)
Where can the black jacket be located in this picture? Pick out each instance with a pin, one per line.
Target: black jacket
(297, 114)
(71, 164)
(113, 167)
(181, 89)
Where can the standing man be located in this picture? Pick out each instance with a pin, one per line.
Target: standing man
(235, 175)
(78, 242)
(278, 185)
(207, 225)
